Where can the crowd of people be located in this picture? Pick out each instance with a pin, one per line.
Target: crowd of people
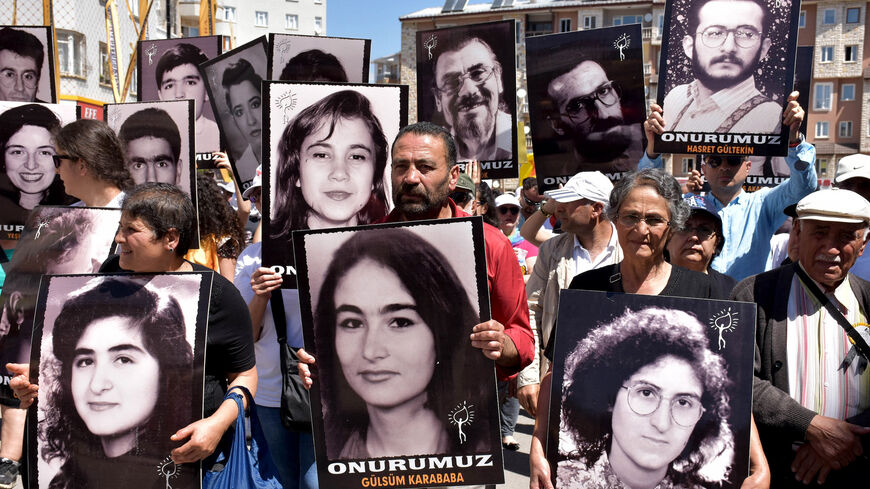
(644, 234)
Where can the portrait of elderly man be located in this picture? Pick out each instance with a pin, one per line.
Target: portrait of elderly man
(588, 111)
(725, 41)
(811, 391)
(469, 91)
(21, 58)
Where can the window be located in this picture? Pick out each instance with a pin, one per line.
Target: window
(134, 82)
(519, 25)
(318, 25)
(134, 7)
(318, 2)
(822, 129)
(565, 25)
(227, 14)
(589, 22)
(853, 15)
(105, 68)
(262, 19)
(829, 16)
(848, 92)
(688, 165)
(823, 96)
(71, 53)
(822, 167)
(291, 21)
(227, 43)
(845, 129)
(628, 19)
(850, 54)
(802, 19)
(827, 54)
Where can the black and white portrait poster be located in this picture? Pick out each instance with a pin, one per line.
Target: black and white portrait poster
(726, 72)
(168, 69)
(466, 82)
(55, 240)
(27, 64)
(401, 399)
(770, 171)
(158, 139)
(586, 102)
(327, 160)
(318, 58)
(651, 385)
(26, 157)
(121, 362)
(233, 82)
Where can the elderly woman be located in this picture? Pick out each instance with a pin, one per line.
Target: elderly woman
(694, 245)
(157, 228)
(646, 207)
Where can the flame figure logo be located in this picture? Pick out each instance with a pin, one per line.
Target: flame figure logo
(724, 321)
(430, 43)
(151, 51)
(621, 44)
(460, 415)
(168, 469)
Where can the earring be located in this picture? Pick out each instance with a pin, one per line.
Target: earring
(171, 249)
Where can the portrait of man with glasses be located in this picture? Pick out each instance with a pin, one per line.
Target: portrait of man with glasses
(586, 101)
(726, 41)
(22, 56)
(463, 87)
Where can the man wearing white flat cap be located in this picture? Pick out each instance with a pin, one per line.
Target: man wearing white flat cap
(589, 241)
(811, 391)
(853, 173)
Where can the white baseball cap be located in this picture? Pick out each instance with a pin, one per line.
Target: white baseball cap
(853, 166)
(507, 199)
(256, 183)
(591, 185)
(834, 205)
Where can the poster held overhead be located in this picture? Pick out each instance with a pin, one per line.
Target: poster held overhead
(318, 58)
(27, 64)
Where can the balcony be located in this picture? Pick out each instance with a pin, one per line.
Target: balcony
(647, 69)
(646, 33)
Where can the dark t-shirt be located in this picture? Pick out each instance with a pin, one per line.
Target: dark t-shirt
(681, 283)
(723, 283)
(229, 342)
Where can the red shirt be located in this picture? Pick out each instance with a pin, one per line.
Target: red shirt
(507, 291)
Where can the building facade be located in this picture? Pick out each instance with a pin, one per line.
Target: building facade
(839, 110)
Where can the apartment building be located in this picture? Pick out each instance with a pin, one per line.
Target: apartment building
(839, 108)
(387, 69)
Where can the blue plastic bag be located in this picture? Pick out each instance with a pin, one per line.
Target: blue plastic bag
(245, 469)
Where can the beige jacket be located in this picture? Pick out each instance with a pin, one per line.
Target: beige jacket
(553, 272)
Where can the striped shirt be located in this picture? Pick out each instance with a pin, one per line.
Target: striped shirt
(706, 115)
(816, 346)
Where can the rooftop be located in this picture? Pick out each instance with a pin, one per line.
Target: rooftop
(456, 7)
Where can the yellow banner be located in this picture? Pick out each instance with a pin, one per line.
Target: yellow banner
(144, 29)
(207, 12)
(113, 42)
(525, 159)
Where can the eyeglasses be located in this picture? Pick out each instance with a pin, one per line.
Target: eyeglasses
(702, 232)
(715, 36)
(58, 158)
(530, 202)
(451, 83)
(508, 208)
(578, 108)
(645, 399)
(8, 78)
(716, 161)
(254, 197)
(632, 220)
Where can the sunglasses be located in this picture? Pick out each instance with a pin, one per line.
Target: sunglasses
(508, 208)
(58, 158)
(716, 161)
(254, 197)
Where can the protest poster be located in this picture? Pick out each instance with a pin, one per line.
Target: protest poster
(725, 75)
(28, 74)
(54, 240)
(586, 102)
(466, 82)
(233, 83)
(326, 161)
(659, 382)
(120, 369)
(399, 352)
(168, 69)
(318, 58)
(29, 178)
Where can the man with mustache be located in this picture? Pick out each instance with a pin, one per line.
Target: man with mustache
(725, 41)
(589, 111)
(468, 93)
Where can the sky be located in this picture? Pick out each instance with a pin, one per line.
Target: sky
(377, 20)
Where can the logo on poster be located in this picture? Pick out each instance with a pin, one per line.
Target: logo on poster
(622, 43)
(168, 469)
(430, 43)
(461, 415)
(287, 102)
(724, 321)
(151, 51)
